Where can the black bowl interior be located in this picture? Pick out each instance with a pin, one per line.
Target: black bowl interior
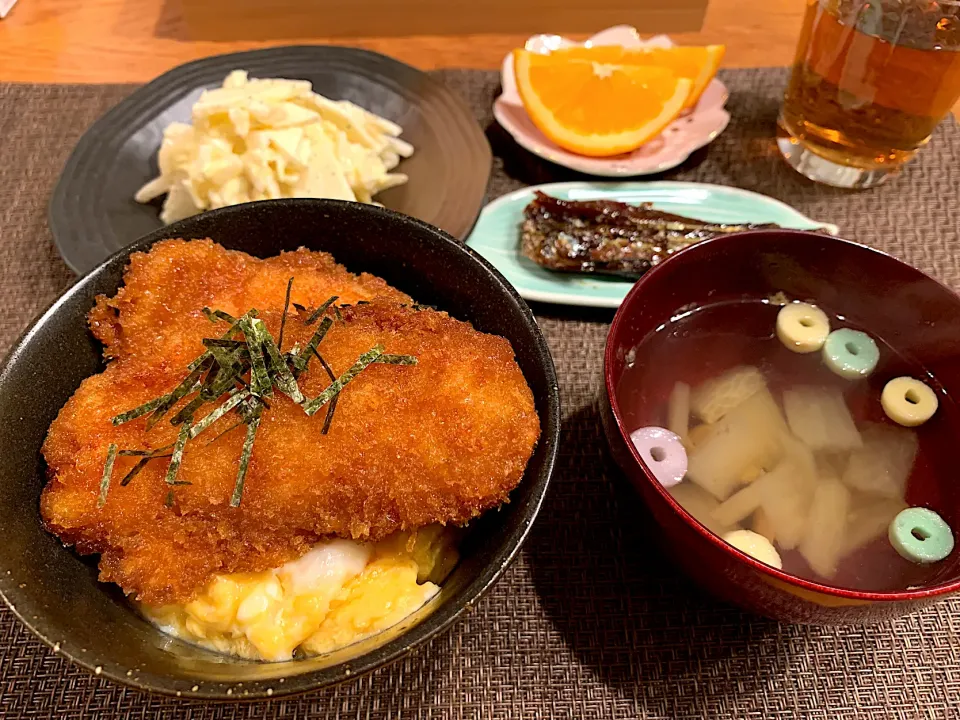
(56, 593)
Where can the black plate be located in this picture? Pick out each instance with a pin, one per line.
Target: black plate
(93, 213)
(56, 593)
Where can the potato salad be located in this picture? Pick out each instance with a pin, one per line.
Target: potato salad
(259, 139)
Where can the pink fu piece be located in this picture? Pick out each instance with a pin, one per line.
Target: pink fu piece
(663, 453)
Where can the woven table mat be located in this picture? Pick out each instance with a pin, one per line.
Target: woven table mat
(589, 622)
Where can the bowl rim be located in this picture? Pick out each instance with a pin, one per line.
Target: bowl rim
(436, 622)
(610, 385)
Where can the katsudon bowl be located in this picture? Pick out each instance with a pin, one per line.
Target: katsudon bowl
(56, 593)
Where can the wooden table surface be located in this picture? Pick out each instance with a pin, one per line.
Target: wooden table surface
(101, 41)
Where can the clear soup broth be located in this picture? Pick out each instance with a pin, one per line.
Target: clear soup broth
(703, 344)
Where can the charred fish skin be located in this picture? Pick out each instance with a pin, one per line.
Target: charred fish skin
(608, 237)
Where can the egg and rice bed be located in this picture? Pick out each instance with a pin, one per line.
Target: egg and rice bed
(342, 528)
(336, 594)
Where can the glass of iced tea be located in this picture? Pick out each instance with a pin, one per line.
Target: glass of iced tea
(870, 82)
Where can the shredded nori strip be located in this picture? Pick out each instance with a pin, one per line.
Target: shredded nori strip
(222, 369)
(143, 453)
(217, 315)
(333, 403)
(283, 318)
(158, 414)
(386, 359)
(341, 382)
(169, 500)
(227, 377)
(138, 411)
(223, 343)
(230, 367)
(281, 375)
(163, 403)
(201, 359)
(245, 454)
(292, 358)
(248, 408)
(318, 313)
(304, 357)
(186, 386)
(107, 473)
(221, 434)
(188, 410)
(177, 456)
(141, 464)
(226, 407)
(259, 376)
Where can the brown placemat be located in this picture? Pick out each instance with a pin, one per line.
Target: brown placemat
(590, 622)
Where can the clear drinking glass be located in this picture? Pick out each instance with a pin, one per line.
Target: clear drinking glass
(870, 82)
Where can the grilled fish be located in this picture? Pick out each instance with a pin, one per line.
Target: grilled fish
(607, 237)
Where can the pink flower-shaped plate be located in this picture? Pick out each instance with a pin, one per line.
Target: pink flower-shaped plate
(687, 133)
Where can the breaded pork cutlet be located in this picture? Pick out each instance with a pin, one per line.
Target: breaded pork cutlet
(409, 445)
(159, 310)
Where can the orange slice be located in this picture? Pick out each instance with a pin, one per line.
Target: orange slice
(597, 109)
(697, 64)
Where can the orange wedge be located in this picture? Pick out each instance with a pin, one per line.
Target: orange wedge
(697, 64)
(597, 109)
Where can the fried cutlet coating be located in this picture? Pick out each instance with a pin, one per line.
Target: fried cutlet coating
(159, 310)
(440, 441)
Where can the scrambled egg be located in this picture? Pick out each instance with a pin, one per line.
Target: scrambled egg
(340, 592)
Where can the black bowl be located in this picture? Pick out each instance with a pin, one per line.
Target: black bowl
(56, 593)
(448, 170)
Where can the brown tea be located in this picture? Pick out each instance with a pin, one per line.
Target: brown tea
(871, 80)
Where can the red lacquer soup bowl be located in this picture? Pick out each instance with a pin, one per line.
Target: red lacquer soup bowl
(917, 317)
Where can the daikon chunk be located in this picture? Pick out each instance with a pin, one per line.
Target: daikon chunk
(717, 397)
(787, 492)
(824, 538)
(820, 418)
(869, 519)
(678, 410)
(803, 459)
(749, 435)
(701, 504)
(832, 464)
(742, 503)
(882, 466)
(761, 524)
(696, 435)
